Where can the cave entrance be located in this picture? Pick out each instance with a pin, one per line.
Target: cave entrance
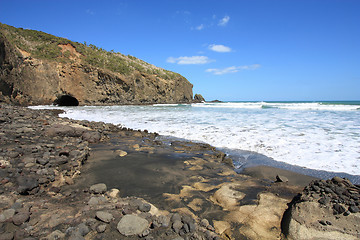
(66, 100)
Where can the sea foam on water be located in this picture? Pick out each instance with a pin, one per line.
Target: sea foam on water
(322, 136)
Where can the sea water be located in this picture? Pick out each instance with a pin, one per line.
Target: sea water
(315, 135)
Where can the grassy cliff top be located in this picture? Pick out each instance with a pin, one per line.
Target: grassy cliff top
(49, 47)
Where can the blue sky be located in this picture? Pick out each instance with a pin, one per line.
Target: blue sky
(229, 49)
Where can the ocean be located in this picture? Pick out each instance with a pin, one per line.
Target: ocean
(316, 138)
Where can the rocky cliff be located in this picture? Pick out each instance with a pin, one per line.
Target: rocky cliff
(38, 68)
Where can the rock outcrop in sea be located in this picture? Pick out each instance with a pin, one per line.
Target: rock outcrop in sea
(37, 68)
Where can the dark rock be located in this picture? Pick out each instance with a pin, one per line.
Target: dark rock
(315, 188)
(98, 188)
(354, 209)
(21, 218)
(198, 98)
(26, 184)
(322, 222)
(91, 137)
(280, 178)
(338, 209)
(144, 207)
(42, 161)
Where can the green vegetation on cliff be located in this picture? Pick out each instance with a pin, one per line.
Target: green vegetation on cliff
(46, 46)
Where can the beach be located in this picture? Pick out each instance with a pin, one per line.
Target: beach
(320, 139)
(52, 168)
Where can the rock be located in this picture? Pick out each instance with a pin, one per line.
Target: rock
(198, 98)
(96, 200)
(121, 153)
(317, 213)
(7, 215)
(21, 218)
(98, 188)
(338, 209)
(114, 193)
(280, 178)
(175, 217)
(69, 180)
(83, 229)
(177, 225)
(91, 137)
(144, 207)
(337, 180)
(13, 154)
(6, 236)
(55, 235)
(204, 223)
(164, 221)
(42, 161)
(101, 228)
(354, 209)
(145, 233)
(104, 216)
(26, 184)
(132, 225)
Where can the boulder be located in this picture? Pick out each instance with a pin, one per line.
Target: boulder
(323, 210)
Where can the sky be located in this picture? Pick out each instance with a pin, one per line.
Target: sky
(231, 50)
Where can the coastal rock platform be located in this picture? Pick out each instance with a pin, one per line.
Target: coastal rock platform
(68, 179)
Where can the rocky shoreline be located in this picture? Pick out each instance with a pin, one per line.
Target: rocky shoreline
(68, 179)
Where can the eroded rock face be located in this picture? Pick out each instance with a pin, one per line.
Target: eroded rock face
(324, 210)
(26, 80)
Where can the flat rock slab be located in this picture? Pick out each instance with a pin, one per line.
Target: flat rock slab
(132, 225)
(104, 216)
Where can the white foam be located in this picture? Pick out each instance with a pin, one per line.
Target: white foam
(293, 133)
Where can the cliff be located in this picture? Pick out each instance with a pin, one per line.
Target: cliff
(39, 68)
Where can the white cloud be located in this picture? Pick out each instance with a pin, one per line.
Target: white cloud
(219, 48)
(200, 27)
(90, 12)
(190, 60)
(232, 69)
(224, 21)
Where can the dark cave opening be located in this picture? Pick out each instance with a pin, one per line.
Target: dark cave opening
(66, 100)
